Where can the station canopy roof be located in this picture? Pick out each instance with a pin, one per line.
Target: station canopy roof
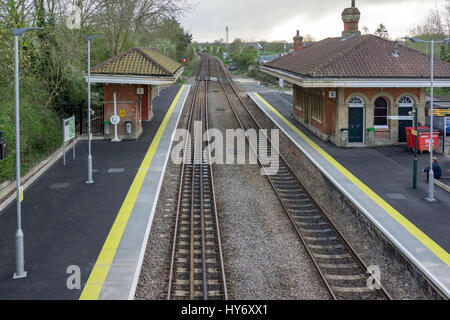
(359, 57)
(137, 66)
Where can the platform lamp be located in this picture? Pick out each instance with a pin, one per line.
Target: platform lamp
(416, 136)
(89, 39)
(20, 264)
(430, 197)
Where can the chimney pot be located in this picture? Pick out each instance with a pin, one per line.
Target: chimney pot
(351, 17)
(298, 42)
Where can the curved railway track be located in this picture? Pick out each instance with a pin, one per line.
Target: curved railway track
(196, 269)
(343, 272)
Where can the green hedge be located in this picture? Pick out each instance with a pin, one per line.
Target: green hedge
(40, 128)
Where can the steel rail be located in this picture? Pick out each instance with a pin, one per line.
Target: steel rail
(302, 186)
(200, 164)
(218, 237)
(180, 191)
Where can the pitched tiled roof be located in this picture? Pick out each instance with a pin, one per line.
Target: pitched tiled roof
(138, 61)
(366, 56)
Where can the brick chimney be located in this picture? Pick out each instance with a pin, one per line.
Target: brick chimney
(351, 17)
(298, 42)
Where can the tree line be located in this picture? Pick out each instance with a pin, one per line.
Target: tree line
(53, 61)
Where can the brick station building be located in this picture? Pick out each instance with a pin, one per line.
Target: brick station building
(134, 76)
(357, 83)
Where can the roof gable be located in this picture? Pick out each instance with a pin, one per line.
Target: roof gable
(138, 61)
(367, 56)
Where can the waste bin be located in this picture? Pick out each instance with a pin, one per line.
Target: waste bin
(128, 126)
(344, 135)
(107, 127)
(371, 132)
(423, 143)
(410, 137)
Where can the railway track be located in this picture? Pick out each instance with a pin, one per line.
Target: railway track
(196, 269)
(343, 272)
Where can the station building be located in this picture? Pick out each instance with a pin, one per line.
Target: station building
(135, 76)
(357, 90)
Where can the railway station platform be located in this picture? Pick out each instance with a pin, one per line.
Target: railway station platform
(419, 229)
(101, 229)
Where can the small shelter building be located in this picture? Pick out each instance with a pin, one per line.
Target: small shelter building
(134, 76)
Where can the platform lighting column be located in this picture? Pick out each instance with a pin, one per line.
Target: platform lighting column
(416, 137)
(20, 264)
(89, 39)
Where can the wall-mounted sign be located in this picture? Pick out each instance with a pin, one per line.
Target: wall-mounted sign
(115, 120)
(122, 113)
(140, 90)
(332, 94)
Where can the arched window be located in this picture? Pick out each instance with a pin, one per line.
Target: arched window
(381, 113)
(356, 101)
(406, 102)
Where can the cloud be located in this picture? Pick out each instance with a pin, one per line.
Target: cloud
(278, 20)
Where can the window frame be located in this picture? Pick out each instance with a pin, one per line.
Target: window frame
(386, 126)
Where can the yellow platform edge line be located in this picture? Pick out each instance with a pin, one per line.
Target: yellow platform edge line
(416, 232)
(101, 268)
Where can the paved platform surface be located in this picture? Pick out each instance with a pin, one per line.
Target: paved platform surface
(67, 222)
(379, 182)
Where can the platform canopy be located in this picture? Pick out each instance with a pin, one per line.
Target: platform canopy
(138, 66)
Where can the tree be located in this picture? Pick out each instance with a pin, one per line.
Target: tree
(236, 48)
(381, 31)
(437, 22)
(309, 38)
(436, 26)
(365, 29)
(119, 19)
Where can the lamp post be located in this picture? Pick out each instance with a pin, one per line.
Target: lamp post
(430, 197)
(20, 269)
(414, 113)
(89, 39)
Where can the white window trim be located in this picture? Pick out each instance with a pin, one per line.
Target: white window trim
(381, 127)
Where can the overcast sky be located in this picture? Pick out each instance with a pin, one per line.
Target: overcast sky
(278, 19)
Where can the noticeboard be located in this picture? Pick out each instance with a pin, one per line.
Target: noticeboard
(439, 112)
(69, 129)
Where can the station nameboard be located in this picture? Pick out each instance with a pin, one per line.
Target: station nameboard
(439, 112)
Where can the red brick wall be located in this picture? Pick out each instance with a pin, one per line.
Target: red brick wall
(327, 125)
(351, 26)
(127, 100)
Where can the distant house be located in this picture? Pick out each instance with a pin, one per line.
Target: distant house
(356, 83)
(133, 75)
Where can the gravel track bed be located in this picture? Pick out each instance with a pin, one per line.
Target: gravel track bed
(264, 259)
(394, 278)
